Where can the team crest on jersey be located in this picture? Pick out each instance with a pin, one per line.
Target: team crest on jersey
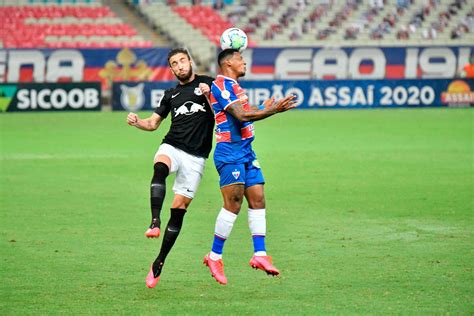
(236, 174)
(189, 108)
(132, 98)
(197, 91)
(225, 94)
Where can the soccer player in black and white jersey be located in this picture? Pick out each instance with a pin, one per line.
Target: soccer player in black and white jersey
(184, 149)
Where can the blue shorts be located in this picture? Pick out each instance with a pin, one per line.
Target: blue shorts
(248, 174)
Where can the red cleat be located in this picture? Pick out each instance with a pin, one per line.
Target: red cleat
(264, 263)
(151, 281)
(217, 269)
(153, 232)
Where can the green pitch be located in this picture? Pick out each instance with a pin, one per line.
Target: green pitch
(369, 212)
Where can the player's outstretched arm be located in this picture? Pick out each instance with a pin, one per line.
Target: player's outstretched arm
(148, 124)
(270, 107)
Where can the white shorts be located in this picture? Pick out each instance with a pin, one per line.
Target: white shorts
(189, 169)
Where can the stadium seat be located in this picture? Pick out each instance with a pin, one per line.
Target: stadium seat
(56, 26)
(170, 22)
(205, 19)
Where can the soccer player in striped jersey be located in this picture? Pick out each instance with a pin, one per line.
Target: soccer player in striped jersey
(236, 162)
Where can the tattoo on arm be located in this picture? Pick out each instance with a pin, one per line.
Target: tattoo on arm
(236, 110)
(254, 114)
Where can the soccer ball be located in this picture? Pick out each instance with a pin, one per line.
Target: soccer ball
(234, 38)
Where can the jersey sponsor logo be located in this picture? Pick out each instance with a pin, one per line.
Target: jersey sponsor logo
(175, 95)
(181, 110)
(132, 98)
(197, 91)
(225, 94)
(236, 174)
(197, 107)
(189, 108)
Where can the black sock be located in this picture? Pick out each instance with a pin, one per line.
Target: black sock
(158, 192)
(171, 233)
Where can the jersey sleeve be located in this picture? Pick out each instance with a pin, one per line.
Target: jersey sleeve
(164, 107)
(224, 94)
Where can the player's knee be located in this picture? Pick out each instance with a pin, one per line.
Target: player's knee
(256, 201)
(233, 203)
(236, 199)
(180, 202)
(257, 204)
(161, 171)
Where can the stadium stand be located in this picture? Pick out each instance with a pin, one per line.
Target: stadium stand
(168, 21)
(205, 19)
(270, 23)
(355, 22)
(50, 25)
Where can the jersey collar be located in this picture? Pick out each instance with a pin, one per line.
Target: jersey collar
(228, 78)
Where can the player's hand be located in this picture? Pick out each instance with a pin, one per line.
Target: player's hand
(204, 89)
(269, 102)
(132, 119)
(286, 104)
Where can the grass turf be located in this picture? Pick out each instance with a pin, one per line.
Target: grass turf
(369, 212)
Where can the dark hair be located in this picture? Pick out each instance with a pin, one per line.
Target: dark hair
(225, 54)
(178, 51)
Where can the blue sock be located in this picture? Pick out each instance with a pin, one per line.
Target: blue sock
(218, 245)
(258, 243)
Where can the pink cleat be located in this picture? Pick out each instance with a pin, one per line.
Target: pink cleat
(217, 269)
(151, 281)
(264, 263)
(153, 232)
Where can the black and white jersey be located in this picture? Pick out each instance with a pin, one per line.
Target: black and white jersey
(192, 120)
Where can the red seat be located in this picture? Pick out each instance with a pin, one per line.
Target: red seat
(18, 34)
(206, 19)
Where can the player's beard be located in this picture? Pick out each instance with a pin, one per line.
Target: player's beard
(185, 77)
(242, 73)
